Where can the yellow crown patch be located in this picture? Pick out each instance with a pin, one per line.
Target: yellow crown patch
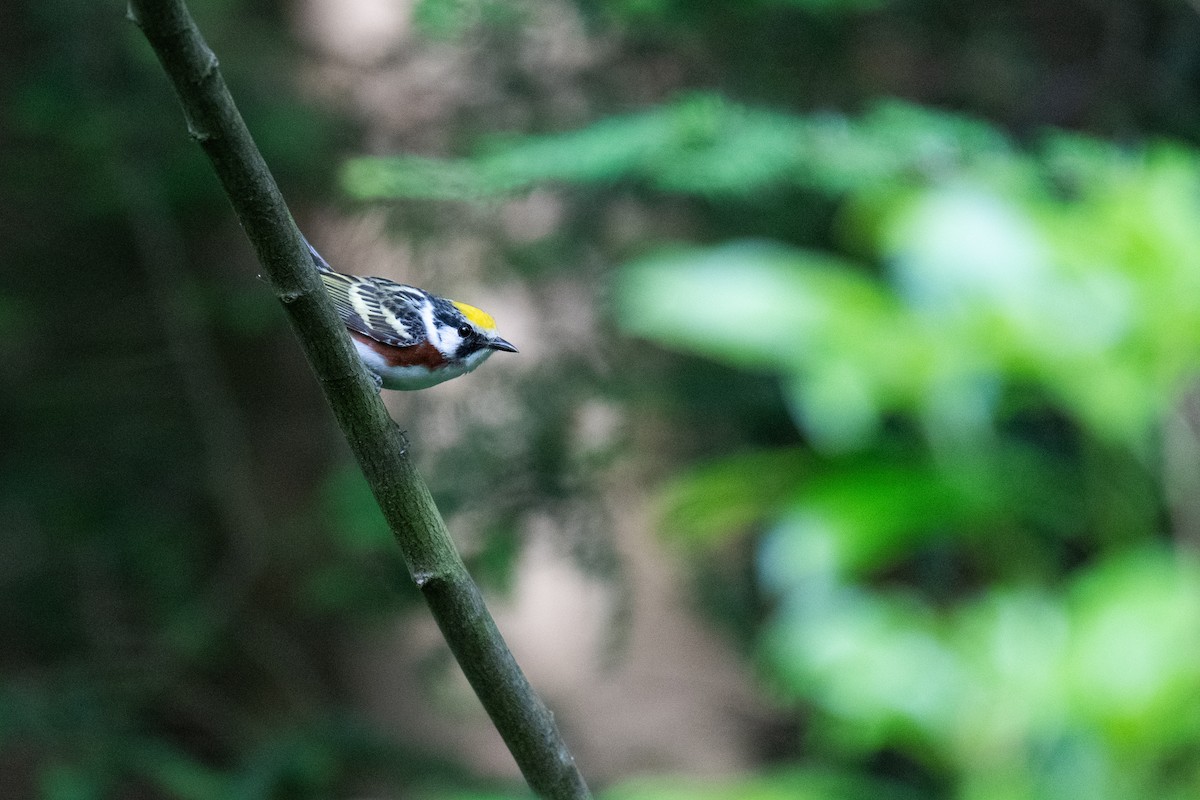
(479, 317)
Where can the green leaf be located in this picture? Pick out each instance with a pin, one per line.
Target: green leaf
(1135, 647)
(751, 304)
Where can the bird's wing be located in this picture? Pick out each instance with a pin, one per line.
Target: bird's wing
(386, 311)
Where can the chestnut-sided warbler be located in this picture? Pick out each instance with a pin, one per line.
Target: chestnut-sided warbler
(407, 337)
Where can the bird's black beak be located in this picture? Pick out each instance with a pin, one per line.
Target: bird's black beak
(502, 344)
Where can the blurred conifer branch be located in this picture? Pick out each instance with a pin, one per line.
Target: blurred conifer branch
(702, 144)
(524, 722)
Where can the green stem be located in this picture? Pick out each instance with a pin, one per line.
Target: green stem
(524, 722)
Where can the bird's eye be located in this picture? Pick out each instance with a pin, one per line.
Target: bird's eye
(465, 331)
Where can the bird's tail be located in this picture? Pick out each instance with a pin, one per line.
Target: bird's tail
(320, 263)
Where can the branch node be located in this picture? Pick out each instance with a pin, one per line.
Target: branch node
(195, 133)
(423, 579)
(211, 67)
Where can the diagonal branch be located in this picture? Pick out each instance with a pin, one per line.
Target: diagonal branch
(524, 722)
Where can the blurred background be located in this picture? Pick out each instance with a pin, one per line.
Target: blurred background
(851, 451)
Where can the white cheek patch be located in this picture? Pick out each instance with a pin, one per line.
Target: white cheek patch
(450, 340)
(445, 338)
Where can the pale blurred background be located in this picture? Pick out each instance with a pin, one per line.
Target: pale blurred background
(850, 452)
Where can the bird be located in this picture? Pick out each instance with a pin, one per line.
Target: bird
(407, 337)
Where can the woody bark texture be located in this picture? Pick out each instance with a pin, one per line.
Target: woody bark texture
(379, 446)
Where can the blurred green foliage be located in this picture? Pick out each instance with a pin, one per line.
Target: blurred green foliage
(701, 144)
(966, 560)
(1059, 282)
